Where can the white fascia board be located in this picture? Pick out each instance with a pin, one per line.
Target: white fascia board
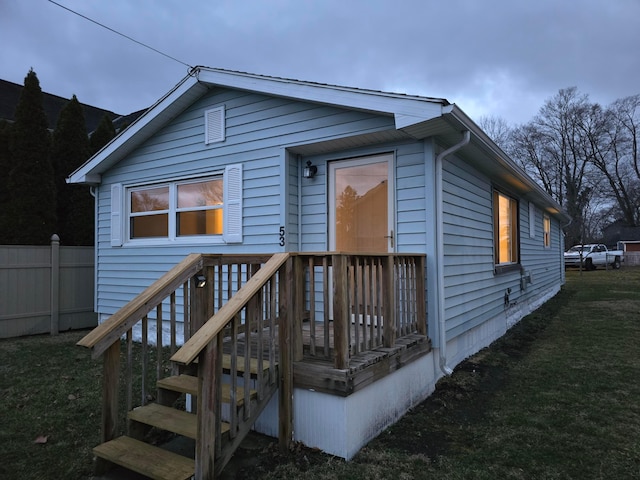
(406, 109)
(498, 156)
(142, 128)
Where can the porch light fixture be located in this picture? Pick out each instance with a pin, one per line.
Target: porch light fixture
(310, 170)
(201, 281)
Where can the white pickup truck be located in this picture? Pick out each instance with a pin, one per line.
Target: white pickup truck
(592, 255)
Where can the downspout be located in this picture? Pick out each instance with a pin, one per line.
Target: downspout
(94, 193)
(440, 252)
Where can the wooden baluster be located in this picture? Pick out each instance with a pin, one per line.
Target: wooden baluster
(340, 312)
(159, 341)
(388, 293)
(129, 372)
(172, 314)
(312, 307)
(297, 309)
(143, 354)
(325, 303)
(421, 310)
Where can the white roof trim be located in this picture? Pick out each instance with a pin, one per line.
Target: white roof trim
(407, 110)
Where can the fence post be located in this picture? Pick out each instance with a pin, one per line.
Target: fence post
(55, 284)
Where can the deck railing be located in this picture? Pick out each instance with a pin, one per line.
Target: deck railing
(256, 309)
(359, 302)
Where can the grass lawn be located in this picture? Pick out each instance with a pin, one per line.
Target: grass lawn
(556, 398)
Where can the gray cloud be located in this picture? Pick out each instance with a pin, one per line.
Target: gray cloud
(491, 57)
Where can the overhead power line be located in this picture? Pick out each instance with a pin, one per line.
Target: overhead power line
(122, 35)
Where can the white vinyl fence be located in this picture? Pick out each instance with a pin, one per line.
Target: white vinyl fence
(45, 289)
(631, 259)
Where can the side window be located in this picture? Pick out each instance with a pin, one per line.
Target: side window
(546, 225)
(505, 229)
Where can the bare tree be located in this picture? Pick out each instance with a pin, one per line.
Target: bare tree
(555, 150)
(614, 150)
(498, 130)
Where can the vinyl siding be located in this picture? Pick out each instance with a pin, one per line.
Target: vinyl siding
(474, 294)
(258, 131)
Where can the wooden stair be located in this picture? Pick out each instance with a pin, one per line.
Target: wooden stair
(146, 459)
(156, 462)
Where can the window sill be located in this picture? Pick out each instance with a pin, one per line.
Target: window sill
(502, 269)
(159, 242)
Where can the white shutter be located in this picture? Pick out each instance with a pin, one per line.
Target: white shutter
(214, 125)
(232, 229)
(116, 215)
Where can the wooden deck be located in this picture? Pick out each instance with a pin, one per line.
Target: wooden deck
(317, 371)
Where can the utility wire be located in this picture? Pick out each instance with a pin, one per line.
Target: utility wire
(122, 35)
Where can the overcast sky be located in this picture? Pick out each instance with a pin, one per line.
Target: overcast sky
(491, 57)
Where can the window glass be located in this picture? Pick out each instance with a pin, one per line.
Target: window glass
(199, 209)
(547, 231)
(150, 199)
(150, 226)
(177, 209)
(200, 194)
(149, 212)
(505, 229)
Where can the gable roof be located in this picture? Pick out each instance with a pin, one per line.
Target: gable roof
(415, 117)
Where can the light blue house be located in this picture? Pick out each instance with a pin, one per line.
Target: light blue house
(234, 163)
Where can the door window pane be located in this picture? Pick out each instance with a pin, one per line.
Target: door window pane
(361, 202)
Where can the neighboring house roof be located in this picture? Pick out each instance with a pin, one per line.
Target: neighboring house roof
(53, 104)
(416, 117)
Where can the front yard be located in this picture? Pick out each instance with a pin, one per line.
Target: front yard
(557, 397)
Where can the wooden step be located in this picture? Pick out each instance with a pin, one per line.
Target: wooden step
(189, 384)
(170, 419)
(146, 459)
(253, 364)
(166, 418)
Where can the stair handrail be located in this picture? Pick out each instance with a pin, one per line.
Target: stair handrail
(105, 334)
(194, 346)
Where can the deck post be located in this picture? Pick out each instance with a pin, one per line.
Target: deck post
(206, 435)
(340, 311)
(389, 295)
(285, 366)
(110, 388)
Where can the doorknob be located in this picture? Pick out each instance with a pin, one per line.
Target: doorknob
(391, 237)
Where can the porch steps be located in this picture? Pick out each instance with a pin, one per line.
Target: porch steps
(158, 463)
(140, 457)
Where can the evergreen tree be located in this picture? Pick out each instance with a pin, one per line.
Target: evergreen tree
(102, 135)
(70, 149)
(32, 206)
(5, 162)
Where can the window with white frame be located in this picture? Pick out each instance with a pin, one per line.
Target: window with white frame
(546, 231)
(179, 210)
(505, 225)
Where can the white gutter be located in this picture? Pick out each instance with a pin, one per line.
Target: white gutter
(440, 252)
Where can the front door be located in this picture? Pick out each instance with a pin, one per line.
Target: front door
(361, 205)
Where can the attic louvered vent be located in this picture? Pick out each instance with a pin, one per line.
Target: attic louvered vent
(214, 125)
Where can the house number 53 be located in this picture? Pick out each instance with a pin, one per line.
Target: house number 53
(282, 236)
